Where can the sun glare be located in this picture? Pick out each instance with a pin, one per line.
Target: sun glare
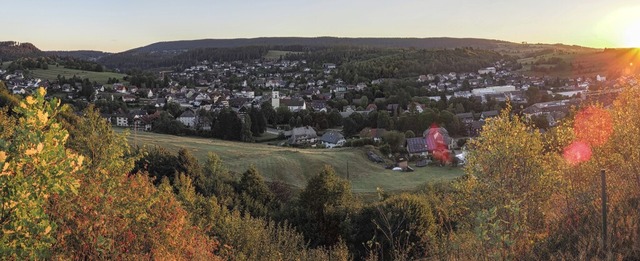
(632, 34)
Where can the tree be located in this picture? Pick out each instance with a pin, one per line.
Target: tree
(7, 99)
(167, 124)
(92, 136)
(540, 121)
(189, 165)
(174, 109)
(228, 126)
(258, 121)
(384, 120)
(395, 140)
(335, 119)
(269, 113)
(218, 182)
(158, 163)
(323, 208)
(34, 167)
(510, 172)
(283, 115)
(409, 134)
(254, 193)
(401, 227)
(350, 127)
(247, 135)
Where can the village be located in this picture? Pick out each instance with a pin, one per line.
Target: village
(299, 86)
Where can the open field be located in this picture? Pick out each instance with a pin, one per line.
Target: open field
(275, 54)
(295, 166)
(53, 72)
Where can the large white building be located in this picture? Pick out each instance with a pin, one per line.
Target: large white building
(188, 118)
(493, 90)
(487, 70)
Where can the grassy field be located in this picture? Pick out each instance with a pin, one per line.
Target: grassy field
(295, 166)
(275, 54)
(53, 72)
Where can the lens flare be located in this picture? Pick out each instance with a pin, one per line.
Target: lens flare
(593, 125)
(577, 152)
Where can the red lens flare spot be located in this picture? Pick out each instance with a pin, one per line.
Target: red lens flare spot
(593, 125)
(577, 152)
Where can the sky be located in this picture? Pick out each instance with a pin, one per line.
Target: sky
(119, 25)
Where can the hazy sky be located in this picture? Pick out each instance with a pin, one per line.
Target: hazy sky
(120, 25)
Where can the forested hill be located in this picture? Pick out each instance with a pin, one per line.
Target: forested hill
(82, 54)
(10, 50)
(428, 43)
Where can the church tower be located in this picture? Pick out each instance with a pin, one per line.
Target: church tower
(275, 99)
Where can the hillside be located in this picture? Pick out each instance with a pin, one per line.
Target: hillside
(557, 63)
(179, 53)
(82, 54)
(53, 72)
(12, 50)
(296, 166)
(428, 43)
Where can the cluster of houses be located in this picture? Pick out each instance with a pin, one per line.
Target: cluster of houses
(297, 86)
(308, 136)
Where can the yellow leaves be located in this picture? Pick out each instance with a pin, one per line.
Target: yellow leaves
(3, 156)
(31, 151)
(42, 91)
(47, 230)
(43, 117)
(80, 160)
(30, 100)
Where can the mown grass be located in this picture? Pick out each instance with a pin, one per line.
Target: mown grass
(53, 72)
(296, 166)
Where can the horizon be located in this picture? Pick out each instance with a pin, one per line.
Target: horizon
(119, 25)
(308, 37)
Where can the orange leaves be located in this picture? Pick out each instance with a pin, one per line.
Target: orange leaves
(593, 126)
(577, 153)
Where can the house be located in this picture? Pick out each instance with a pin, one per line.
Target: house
(488, 114)
(375, 134)
(371, 107)
(119, 88)
(318, 105)
(160, 102)
(122, 120)
(417, 146)
(128, 98)
(294, 105)
(332, 139)
(465, 117)
(329, 66)
(394, 108)
(303, 135)
(422, 78)
(437, 139)
(474, 128)
(142, 124)
(188, 118)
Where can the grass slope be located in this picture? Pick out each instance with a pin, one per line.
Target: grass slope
(53, 72)
(296, 166)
